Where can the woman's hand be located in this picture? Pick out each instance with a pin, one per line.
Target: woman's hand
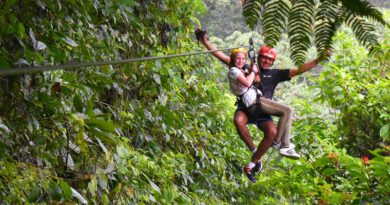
(201, 35)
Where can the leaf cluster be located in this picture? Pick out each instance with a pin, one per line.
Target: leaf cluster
(313, 22)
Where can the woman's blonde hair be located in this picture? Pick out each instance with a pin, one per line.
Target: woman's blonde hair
(233, 54)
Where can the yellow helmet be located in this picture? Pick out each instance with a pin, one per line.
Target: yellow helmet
(238, 50)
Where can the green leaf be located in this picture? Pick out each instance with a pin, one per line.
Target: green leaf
(122, 151)
(92, 186)
(385, 132)
(4, 128)
(34, 194)
(66, 191)
(78, 103)
(105, 200)
(79, 196)
(101, 124)
(8, 4)
(155, 187)
(4, 63)
(274, 20)
(54, 191)
(21, 30)
(70, 41)
(251, 12)
(157, 78)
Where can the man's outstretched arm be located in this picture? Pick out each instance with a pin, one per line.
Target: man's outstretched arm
(303, 68)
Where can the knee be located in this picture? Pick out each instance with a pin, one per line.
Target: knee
(290, 110)
(240, 119)
(270, 132)
(287, 111)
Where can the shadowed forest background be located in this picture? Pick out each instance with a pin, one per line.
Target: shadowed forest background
(162, 132)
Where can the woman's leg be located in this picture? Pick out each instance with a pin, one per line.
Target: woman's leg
(241, 121)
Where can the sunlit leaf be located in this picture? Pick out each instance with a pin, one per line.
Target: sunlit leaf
(155, 187)
(70, 41)
(157, 78)
(77, 195)
(385, 132)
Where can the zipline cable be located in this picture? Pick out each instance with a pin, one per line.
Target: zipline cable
(22, 70)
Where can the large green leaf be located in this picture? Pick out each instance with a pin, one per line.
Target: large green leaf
(300, 24)
(275, 17)
(328, 14)
(251, 12)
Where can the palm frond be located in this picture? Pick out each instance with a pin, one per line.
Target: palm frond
(251, 12)
(363, 31)
(328, 20)
(364, 9)
(275, 16)
(300, 29)
(329, 16)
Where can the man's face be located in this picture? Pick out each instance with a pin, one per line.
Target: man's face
(265, 62)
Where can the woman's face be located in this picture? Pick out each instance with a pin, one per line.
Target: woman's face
(240, 60)
(266, 62)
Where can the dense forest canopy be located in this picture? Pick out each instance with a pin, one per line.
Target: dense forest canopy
(161, 131)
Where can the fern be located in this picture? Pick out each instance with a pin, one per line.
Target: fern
(363, 32)
(328, 14)
(328, 19)
(275, 16)
(300, 29)
(364, 9)
(251, 12)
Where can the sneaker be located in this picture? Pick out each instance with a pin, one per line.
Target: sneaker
(249, 174)
(258, 167)
(289, 152)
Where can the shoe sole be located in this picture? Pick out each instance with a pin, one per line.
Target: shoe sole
(289, 156)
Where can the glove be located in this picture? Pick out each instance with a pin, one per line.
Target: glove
(199, 33)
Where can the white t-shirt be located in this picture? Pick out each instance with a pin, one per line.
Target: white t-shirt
(249, 96)
(236, 87)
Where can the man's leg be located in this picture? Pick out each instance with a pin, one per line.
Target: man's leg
(255, 166)
(241, 121)
(269, 129)
(284, 125)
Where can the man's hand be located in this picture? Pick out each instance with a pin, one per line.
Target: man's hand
(325, 55)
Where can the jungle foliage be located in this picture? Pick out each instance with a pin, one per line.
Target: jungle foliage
(303, 19)
(161, 132)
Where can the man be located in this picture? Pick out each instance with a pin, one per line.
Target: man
(269, 78)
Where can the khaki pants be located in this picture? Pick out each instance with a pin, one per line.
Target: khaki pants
(284, 113)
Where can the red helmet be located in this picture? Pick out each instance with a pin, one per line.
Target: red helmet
(267, 52)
